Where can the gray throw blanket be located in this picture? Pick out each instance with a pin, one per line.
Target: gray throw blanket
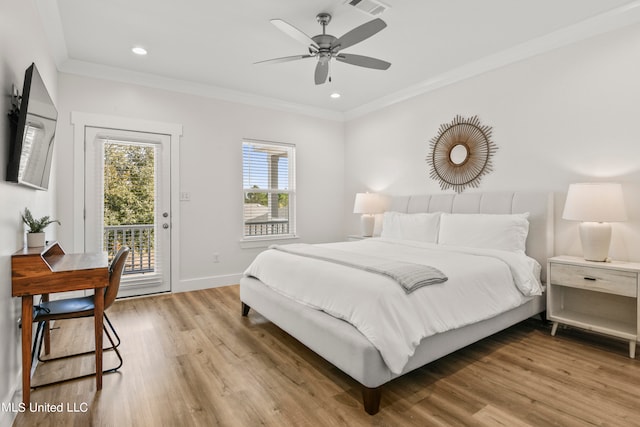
(409, 275)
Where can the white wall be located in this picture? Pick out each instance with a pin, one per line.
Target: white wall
(561, 117)
(21, 43)
(565, 116)
(211, 169)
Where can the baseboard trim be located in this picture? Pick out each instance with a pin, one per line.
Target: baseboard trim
(197, 284)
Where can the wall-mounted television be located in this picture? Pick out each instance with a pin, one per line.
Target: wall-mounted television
(33, 128)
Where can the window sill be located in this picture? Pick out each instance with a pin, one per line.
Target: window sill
(265, 242)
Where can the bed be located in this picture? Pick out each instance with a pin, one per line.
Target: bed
(351, 348)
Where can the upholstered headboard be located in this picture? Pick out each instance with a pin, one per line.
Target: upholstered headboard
(538, 204)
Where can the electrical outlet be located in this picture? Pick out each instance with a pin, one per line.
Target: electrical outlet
(185, 196)
(216, 257)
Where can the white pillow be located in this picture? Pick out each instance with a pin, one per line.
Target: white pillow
(422, 227)
(507, 232)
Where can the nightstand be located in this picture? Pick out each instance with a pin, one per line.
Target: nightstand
(596, 296)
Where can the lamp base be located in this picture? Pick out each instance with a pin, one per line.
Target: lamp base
(595, 238)
(367, 221)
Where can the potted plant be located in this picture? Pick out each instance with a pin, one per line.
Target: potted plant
(35, 232)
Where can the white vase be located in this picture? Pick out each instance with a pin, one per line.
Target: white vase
(35, 240)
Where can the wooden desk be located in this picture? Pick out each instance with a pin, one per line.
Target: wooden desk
(45, 270)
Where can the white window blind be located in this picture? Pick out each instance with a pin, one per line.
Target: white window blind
(268, 180)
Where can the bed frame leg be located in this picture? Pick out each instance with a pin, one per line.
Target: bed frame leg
(371, 398)
(245, 310)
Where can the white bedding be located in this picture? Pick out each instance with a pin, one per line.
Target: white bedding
(481, 284)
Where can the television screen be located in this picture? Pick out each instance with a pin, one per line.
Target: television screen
(31, 144)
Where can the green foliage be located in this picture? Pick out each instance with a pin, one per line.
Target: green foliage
(129, 190)
(283, 200)
(263, 198)
(256, 198)
(36, 225)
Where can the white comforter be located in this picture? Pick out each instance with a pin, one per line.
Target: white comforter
(481, 284)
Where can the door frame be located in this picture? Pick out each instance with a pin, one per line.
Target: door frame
(96, 140)
(80, 121)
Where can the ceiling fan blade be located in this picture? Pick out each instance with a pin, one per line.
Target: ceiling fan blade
(284, 59)
(363, 61)
(358, 34)
(322, 72)
(292, 31)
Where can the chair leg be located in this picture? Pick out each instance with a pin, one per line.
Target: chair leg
(113, 347)
(37, 342)
(84, 353)
(113, 329)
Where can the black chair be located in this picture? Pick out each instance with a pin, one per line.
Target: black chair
(75, 308)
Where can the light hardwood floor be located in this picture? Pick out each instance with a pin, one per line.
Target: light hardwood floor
(191, 359)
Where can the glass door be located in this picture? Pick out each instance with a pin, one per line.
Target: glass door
(127, 202)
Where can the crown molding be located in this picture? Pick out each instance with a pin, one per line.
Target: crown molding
(612, 20)
(52, 23)
(88, 69)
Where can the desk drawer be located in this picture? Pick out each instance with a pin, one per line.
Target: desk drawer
(597, 279)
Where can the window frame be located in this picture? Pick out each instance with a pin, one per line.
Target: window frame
(260, 240)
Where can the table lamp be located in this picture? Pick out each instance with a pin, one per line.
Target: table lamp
(596, 205)
(368, 204)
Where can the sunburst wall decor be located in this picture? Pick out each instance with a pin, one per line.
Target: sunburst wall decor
(461, 153)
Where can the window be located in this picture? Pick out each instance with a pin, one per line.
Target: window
(268, 180)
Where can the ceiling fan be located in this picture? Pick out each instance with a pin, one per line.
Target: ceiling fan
(325, 46)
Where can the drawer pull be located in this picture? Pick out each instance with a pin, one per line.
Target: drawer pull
(593, 279)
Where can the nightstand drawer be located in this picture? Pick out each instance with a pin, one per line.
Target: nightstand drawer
(598, 279)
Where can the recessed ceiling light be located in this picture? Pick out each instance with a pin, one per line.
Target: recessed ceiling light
(335, 95)
(139, 50)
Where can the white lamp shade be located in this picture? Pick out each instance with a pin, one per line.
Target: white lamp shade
(595, 202)
(369, 203)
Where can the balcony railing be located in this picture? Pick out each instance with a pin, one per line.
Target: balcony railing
(266, 228)
(140, 238)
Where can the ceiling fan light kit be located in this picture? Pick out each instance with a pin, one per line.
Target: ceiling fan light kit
(325, 47)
